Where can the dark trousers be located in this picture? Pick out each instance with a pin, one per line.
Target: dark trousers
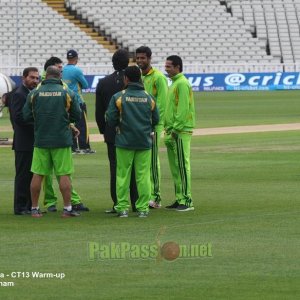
(22, 197)
(111, 151)
(83, 141)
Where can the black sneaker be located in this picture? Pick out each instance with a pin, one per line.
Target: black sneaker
(70, 213)
(80, 207)
(182, 207)
(172, 206)
(88, 151)
(22, 212)
(77, 151)
(52, 208)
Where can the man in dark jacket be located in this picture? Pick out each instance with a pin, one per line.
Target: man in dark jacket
(53, 107)
(135, 114)
(22, 142)
(106, 88)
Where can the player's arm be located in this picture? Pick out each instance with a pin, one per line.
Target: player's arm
(74, 107)
(182, 111)
(81, 79)
(155, 113)
(113, 111)
(162, 92)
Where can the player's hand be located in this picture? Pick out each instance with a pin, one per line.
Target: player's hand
(75, 130)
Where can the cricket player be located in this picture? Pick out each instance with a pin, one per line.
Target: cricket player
(179, 124)
(156, 84)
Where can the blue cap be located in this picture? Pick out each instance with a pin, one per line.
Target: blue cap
(72, 54)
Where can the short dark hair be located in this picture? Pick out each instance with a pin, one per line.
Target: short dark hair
(26, 71)
(144, 49)
(52, 61)
(120, 59)
(53, 72)
(176, 61)
(133, 73)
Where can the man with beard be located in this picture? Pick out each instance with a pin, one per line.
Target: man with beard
(23, 142)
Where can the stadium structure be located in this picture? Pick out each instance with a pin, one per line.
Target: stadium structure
(212, 36)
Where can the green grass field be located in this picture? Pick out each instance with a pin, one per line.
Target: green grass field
(246, 194)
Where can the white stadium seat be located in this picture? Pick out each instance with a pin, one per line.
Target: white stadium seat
(276, 21)
(210, 31)
(44, 31)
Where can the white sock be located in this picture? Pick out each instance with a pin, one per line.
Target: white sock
(68, 208)
(34, 207)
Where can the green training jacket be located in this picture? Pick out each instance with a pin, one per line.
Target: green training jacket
(52, 106)
(180, 109)
(135, 114)
(156, 84)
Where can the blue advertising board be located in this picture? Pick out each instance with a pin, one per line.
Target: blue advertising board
(225, 81)
(245, 81)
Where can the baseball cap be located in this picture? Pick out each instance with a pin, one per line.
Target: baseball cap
(72, 54)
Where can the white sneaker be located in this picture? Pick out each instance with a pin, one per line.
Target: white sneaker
(154, 204)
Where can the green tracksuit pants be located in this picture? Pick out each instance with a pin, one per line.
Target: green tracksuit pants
(49, 195)
(142, 161)
(155, 167)
(178, 150)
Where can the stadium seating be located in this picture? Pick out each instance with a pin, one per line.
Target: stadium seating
(210, 35)
(274, 21)
(199, 31)
(39, 32)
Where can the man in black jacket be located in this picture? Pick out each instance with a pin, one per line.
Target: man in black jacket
(106, 88)
(23, 142)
